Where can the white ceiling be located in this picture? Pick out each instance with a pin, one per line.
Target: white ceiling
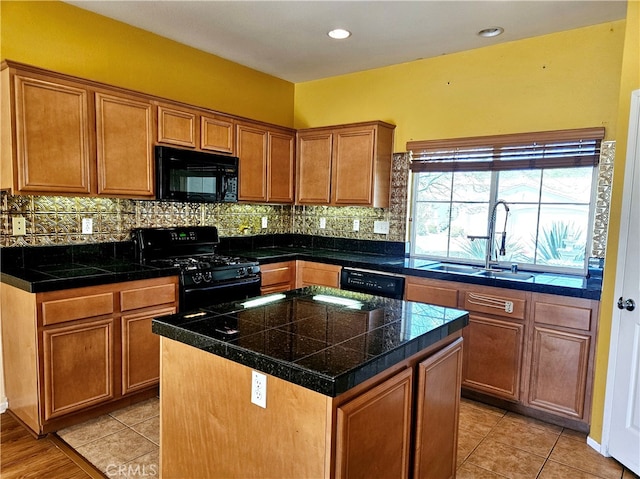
(287, 39)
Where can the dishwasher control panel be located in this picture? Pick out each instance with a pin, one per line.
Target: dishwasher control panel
(372, 282)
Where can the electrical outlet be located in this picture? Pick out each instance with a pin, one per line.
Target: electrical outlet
(87, 226)
(264, 222)
(356, 225)
(381, 227)
(259, 389)
(19, 226)
(323, 223)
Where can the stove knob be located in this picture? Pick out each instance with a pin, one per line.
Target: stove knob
(197, 278)
(241, 272)
(207, 277)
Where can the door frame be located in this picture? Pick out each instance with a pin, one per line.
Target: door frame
(616, 314)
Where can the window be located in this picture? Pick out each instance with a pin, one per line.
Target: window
(547, 180)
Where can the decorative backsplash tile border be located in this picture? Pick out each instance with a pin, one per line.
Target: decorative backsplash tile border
(57, 220)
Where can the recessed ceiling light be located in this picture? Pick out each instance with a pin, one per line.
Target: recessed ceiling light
(491, 32)
(339, 34)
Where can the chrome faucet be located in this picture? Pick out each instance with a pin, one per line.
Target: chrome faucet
(492, 232)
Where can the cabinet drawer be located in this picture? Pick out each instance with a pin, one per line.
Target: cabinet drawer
(147, 296)
(68, 309)
(563, 316)
(421, 291)
(496, 305)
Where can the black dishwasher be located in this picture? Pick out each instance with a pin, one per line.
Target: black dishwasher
(372, 282)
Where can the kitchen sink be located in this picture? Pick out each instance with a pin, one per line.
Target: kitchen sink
(505, 275)
(449, 268)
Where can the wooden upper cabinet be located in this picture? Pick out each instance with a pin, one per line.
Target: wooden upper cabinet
(313, 184)
(177, 127)
(52, 136)
(216, 133)
(125, 146)
(266, 163)
(193, 128)
(345, 165)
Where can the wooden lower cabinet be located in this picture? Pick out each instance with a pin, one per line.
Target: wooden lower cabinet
(78, 353)
(424, 290)
(407, 415)
(278, 277)
(563, 349)
(309, 273)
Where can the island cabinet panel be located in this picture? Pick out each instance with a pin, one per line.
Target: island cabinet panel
(79, 363)
(52, 127)
(78, 353)
(437, 412)
(266, 163)
(125, 146)
(309, 273)
(373, 431)
(330, 158)
(424, 290)
(494, 341)
(277, 277)
(562, 355)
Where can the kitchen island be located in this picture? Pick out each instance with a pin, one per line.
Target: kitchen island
(312, 383)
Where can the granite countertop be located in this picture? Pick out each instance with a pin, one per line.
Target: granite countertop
(40, 269)
(312, 337)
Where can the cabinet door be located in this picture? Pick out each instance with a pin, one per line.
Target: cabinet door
(216, 134)
(52, 137)
(313, 184)
(318, 274)
(252, 151)
(432, 292)
(493, 356)
(176, 127)
(373, 431)
(439, 378)
(559, 371)
(278, 277)
(352, 167)
(125, 146)
(280, 170)
(140, 350)
(78, 367)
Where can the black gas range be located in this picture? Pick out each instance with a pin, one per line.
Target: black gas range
(206, 277)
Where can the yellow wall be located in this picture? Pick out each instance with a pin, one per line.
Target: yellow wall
(630, 81)
(67, 39)
(564, 80)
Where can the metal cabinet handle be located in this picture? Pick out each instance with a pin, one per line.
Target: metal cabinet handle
(628, 304)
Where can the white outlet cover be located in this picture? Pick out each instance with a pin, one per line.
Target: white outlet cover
(18, 226)
(381, 227)
(259, 389)
(87, 226)
(264, 222)
(356, 225)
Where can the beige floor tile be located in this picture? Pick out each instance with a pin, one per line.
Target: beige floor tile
(138, 412)
(529, 421)
(555, 470)
(570, 433)
(506, 460)
(115, 449)
(517, 433)
(485, 407)
(89, 431)
(470, 471)
(149, 429)
(467, 442)
(580, 456)
(478, 419)
(146, 466)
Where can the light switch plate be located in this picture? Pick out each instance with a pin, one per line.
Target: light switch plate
(356, 225)
(381, 227)
(323, 223)
(264, 222)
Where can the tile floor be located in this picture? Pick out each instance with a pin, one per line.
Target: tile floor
(492, 444)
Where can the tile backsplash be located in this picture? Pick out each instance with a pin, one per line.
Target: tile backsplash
(57, 220)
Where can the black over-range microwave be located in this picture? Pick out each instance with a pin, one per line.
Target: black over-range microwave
(186, 175)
